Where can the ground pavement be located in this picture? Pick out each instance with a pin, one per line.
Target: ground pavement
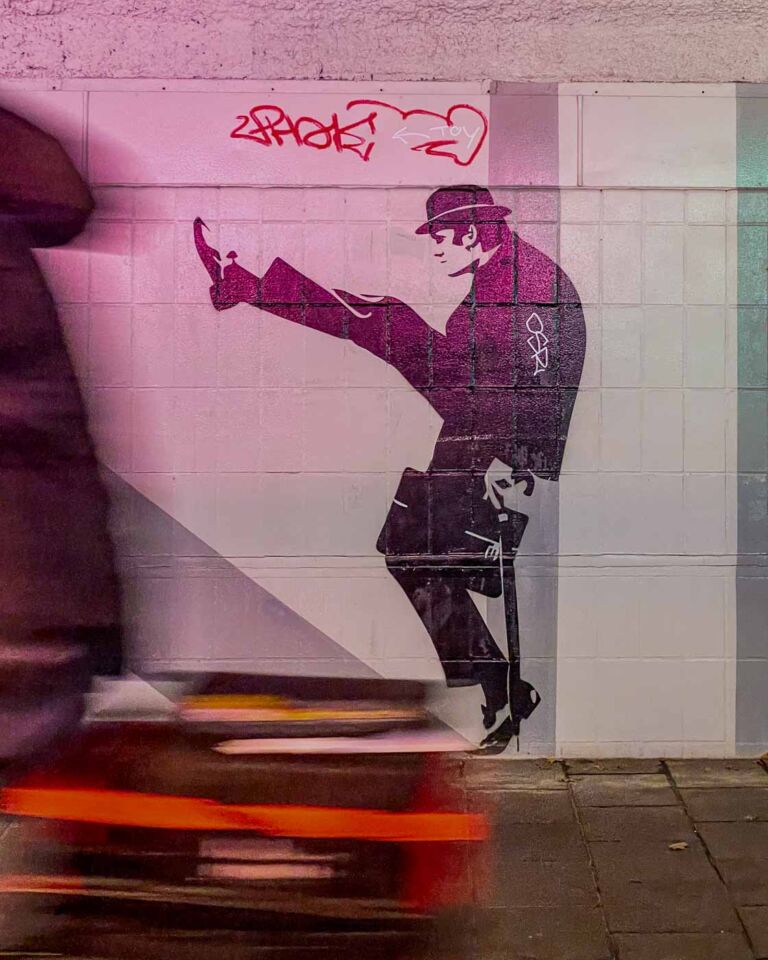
(622, 860)
(607, 860)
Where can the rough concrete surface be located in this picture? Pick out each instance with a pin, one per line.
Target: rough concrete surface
(621, 860)
(574, 875)
(558, 40)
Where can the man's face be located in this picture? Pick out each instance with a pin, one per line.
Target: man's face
(451, 250)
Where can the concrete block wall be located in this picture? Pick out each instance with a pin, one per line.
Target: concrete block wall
(265, 454)
(607, 40)
(646, 634)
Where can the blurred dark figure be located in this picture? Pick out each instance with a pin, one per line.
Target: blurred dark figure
(59, 596)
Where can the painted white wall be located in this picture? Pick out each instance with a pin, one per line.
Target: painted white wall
(646, 623)
(646, 228)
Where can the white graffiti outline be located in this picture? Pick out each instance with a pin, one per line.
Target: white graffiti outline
(538, 342)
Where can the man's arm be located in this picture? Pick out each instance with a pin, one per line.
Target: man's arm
(39, 186)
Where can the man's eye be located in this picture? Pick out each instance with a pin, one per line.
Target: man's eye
(439, 239)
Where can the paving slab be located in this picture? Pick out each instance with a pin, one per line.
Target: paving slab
(551, 933)
(653, 861)
(542, 883)
(689, 774)
(668, 906)
(683, 946)
(618, 765)
(747, 881)
(736, 841)
(729, 804)
(543, 901)
(487, 773)
(621, 790)
(756, 921)
(453, 937)
(560, 842)
(530, 806)
(667, 824)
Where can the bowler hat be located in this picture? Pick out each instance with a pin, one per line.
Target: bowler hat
(462, 205)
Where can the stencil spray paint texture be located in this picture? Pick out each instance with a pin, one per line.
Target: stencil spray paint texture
(503, 375)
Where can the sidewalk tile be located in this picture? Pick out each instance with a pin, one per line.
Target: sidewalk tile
(747, 881)
(651, 861)
(542, 883)
(689, 774)
(560, 842)
(641, 790)
(756, 921)
(611, 766)
(490, 773)
(683, 946)
(533, 806)
(667, 907)
(736, 841)
(551, 933)
(668, 824)
(729, 804)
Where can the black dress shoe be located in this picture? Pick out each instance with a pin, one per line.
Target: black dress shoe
(523, 699)
(497, 740)
(489, 716)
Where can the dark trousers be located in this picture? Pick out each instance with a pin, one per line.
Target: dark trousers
(467, 650)
(441, 540)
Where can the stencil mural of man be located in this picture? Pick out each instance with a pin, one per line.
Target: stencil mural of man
(503, 377)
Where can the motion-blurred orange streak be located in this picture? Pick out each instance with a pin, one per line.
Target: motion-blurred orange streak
(190, 813)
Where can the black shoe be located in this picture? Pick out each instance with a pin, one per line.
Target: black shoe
(523, 700)
(489, 716)
(498, 740)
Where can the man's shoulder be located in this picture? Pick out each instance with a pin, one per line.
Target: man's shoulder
(539, 273)
(529, 257)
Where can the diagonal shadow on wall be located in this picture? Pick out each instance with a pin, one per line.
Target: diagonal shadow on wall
(187, 607)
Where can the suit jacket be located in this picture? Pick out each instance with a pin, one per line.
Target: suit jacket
(57, 571)
(503, 377)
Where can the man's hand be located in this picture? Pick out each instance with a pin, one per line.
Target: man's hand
(502, 486)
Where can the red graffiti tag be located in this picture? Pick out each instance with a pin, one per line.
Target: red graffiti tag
(458, 134)
(268, 124)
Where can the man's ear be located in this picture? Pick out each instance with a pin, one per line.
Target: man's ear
(470, 237)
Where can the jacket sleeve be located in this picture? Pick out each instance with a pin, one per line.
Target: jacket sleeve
(39, 186)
